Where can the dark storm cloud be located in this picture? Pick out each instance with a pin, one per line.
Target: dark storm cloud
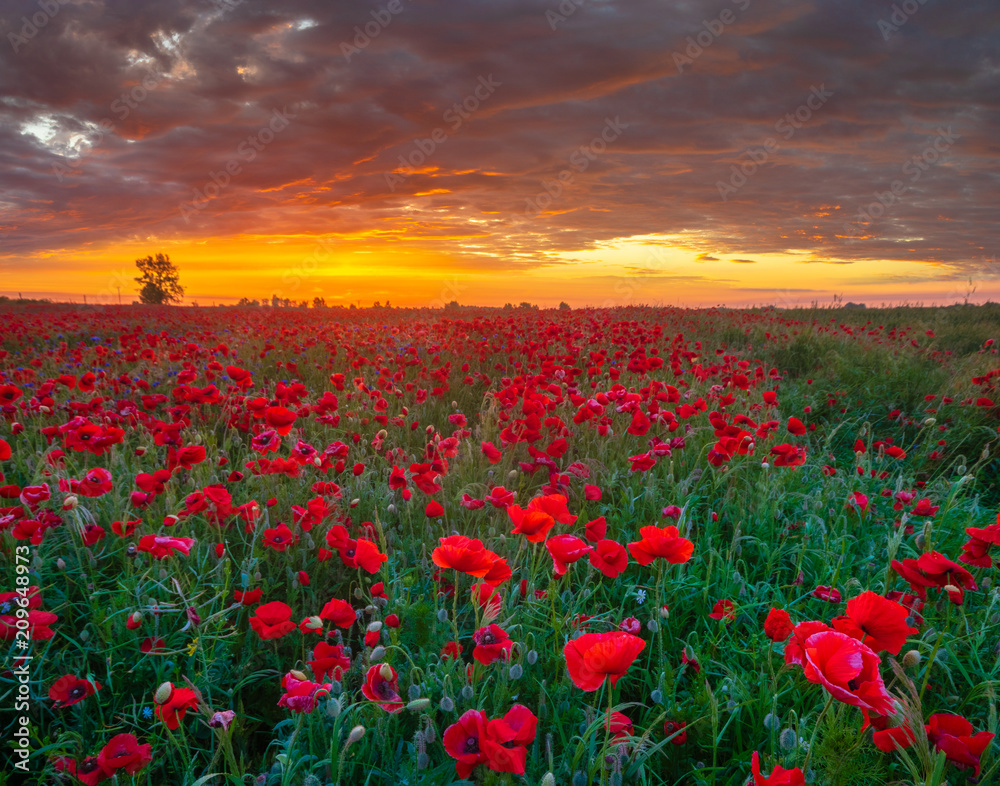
(721, 133)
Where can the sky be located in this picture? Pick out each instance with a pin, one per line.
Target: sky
(597, 152)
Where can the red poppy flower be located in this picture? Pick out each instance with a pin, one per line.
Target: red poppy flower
(5, 451)
(619, 726)
(533, 524)
(595, 656)
(89, 771)
(248, 598)
(466, 555)
(848, 670)
(280, 419)
(272, 620)
(723, 610)
(172, 711)
(827, 593)
(463, 742)
(565, 550)
(434, 509)
(671, 727)
(597, 529)
(123, 752)
(609, 557)
(491, 452)
(152, 644)
(492, 643)
(976, 551)
(329, 660)
(779, 775)
(935, 570)
(878, 622)
(661, 542)
(778, 625)
(592, 492)
(279, 538)
(70, 689)
(451, 651)
(507, 738)
(161, 546)
(302, 695)
(953, 735)
(339, 612)
(382, 687)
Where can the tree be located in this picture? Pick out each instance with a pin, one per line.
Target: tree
(160, 281)
(564, 306)
(319, 302)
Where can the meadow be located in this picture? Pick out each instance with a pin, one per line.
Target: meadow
(499, 546)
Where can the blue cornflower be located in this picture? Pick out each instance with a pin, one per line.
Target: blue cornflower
(147, 712)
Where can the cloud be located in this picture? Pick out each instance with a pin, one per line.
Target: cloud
(217, 72)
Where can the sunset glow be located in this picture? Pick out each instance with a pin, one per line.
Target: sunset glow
(594, 153)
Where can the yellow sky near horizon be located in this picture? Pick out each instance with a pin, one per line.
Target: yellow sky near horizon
(362, 269)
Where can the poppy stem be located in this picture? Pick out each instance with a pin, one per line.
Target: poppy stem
(812, 740)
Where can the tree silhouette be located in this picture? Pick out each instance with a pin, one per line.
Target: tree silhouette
(160, 281)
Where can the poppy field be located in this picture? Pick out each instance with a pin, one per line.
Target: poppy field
(499, 546)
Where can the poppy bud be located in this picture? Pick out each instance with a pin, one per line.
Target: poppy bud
(298, 675)
(386, 671)
(333, 708)
(354, 502)
(911, 659)
(787, 739)
(70, 502)
(447, 705)
(374, 627)
(377, 654)
(512, 475)
(356, 734)
(418, 705)
(664, 611)
(516, 671)
(163, 693)
(61, 564)
(391, 510)
(532, 657)
(141, 450)
(656, 696)
(442, 615)
(84, 635)
(414, 692)
(314, 623)
(548, 779)
(170, 520)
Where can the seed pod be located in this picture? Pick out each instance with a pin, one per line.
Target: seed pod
(787, 739)
(467, 693)
(447, 705)
(163, 693)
